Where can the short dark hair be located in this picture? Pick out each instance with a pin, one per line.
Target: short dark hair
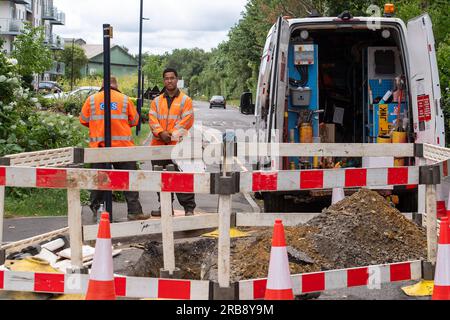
(166, 70)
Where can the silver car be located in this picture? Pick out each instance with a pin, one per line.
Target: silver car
(217, 101)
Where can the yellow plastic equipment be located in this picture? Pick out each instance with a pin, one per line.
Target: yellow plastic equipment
(234, 233)
(421, 289)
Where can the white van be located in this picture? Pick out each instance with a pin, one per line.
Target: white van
(346, 79)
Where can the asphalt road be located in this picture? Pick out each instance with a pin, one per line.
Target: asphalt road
(216, 119)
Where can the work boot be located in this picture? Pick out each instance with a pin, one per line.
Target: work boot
(157, 213)
(138, 216)
(188, 212)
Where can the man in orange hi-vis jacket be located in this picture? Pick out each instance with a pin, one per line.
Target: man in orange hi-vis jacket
(171, 116)
(123, 117)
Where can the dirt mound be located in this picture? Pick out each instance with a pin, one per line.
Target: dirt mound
(363, 229)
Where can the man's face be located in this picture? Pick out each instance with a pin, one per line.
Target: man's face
(170, 81)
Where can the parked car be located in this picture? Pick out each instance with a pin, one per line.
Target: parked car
(217, 101)
(49, 87)
(83, 92)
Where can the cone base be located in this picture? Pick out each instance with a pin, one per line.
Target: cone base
(441, 293)
(280, 294)
(101, 290)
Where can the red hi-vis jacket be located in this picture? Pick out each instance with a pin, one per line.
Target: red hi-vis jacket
(177, 120)
(123, 117)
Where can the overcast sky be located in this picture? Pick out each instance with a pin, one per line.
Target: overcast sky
(173, 23)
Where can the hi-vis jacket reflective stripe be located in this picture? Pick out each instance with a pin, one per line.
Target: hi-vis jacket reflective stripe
(177, 121)
(123, 117)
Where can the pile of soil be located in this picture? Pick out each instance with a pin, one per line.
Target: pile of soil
(362, 229)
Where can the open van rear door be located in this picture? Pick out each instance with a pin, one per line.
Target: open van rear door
(272, 82)
(425, 87)
(279, 82)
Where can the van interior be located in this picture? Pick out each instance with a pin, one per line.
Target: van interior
(346, 85)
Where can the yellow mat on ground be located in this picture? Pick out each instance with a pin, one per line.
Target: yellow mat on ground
(234, 233)
(421, 289)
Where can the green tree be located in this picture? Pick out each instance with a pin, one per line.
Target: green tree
(73, 55)
(153, 66)
(32, 55)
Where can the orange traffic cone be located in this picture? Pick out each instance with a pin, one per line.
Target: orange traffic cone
(279, 284)
(441, 289)
(101, 279)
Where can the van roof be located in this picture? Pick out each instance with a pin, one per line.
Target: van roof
(354, 19)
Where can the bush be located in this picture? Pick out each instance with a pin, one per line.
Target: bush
(23, 127)
(70, 105)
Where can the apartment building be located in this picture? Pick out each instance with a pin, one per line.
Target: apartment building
(13, 15)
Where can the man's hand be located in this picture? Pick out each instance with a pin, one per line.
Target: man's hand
(165, 136)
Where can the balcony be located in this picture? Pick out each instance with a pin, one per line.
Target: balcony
(60, 18)
(26, 2)
(58, 68)
(11, 26)
(29, 7)
(57, 43)
(49, 13)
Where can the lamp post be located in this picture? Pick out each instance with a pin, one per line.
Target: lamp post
(71, 75)
(140, 84)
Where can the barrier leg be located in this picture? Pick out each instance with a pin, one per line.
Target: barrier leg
(167, 235)
(223, 263)
(431, 223)
(225, 203)
(421, 205)
(2, 215)
(75, 228)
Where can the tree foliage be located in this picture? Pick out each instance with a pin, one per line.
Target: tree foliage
(233, 66)
(73, 54)
(33, 56)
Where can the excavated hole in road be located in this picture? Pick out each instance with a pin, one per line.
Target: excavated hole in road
(362, 229)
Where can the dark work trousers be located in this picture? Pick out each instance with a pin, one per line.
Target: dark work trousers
(132, 197)
(187, 200)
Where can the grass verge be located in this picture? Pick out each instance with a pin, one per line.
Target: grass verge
(38, 202)
(143, 134)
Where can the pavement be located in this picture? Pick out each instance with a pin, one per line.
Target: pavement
(15, 229)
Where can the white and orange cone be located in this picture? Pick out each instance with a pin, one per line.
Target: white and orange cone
(441, 290)
(279, 284)
(101, 279)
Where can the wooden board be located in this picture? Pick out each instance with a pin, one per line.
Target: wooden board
(326, 149)
(153, 226)
(96, 155)
(45, 158)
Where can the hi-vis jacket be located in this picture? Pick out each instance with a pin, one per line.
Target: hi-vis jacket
(177, 120)
(123, 117)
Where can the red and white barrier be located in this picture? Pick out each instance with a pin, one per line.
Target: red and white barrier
(324, 179)
(370, 276)
(119, 180)
(132, 287)
(155, 288)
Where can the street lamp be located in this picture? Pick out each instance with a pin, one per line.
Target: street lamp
(140, 84)
(71, 73)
